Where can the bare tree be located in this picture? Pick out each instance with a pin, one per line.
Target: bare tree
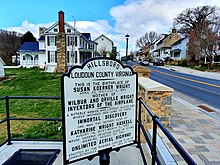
(9, 44)
(201, 24)
(144, 42)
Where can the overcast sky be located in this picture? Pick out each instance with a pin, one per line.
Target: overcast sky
(113, 18)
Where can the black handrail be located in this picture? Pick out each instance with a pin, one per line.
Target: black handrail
(8, 118)
(152, 146)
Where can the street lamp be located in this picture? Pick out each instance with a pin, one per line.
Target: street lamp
(126, 36)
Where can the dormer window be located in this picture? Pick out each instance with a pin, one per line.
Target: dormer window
(55, 30)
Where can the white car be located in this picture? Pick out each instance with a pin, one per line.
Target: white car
(145, 62)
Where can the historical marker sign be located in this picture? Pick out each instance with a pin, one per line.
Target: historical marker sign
(99, 107)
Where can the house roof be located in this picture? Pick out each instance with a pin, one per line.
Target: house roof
(1, 60)
(176, 50)
(179, 41)
(105, 37)
(29, 47)
(161, 40)
(42, 38)
(66, 24)
(87, 36)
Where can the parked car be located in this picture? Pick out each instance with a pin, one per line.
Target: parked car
(168, 59)
(158, 62)
(145, 62)
(123, 58)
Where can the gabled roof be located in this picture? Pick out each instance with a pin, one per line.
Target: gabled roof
(179, 41)
(42, 38)
(87, 36)
(1, 60)
(65, 23)
(104, 37)
(29, 47)
(161, 40)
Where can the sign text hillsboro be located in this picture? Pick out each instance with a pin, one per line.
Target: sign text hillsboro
(99, 101)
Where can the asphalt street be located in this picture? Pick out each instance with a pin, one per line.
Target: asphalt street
(204, 89)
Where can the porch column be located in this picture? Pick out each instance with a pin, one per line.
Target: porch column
(78, 58)
(33, 59)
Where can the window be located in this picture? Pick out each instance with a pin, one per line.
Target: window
(51, 40)
(69, 40)
(52, 56)
(91, 46)
(68, 30)
(55, 30)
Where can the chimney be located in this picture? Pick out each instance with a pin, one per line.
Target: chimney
(61, 45)
(61, 21)
(173, 30)
(41, 31)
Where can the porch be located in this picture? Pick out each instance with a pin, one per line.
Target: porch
(28, 60)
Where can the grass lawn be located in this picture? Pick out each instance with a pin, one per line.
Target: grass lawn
(31, 82)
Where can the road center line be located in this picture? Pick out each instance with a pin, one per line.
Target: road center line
(205, 83)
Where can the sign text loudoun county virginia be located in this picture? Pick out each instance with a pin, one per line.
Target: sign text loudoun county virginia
(100, 107)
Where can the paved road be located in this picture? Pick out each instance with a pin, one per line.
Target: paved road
(204, 89)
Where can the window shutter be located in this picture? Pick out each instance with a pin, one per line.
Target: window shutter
(55, 40)
(56, 56)
(68, 40)
(68, 56)
(48, 56)
(48, 40)
(75, 40)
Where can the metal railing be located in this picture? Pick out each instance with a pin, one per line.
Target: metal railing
(7, 119)
(153, 145)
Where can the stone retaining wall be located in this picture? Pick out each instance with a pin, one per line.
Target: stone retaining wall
(157, 96)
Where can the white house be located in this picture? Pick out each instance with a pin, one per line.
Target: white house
(2, 63)
(60, 44)
(31, 55)
(162, 47)
(154, 51)
(105, 45)
(179, 49)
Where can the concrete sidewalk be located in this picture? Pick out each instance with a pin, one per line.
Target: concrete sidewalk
(212, 75)
(195, 129)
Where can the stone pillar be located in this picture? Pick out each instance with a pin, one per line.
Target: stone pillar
(158, 98)
(142, 71)
(61, 53)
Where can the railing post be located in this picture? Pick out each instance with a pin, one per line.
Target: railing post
(139, 123)
(8, 121)
(154, 141)
(104, 157)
